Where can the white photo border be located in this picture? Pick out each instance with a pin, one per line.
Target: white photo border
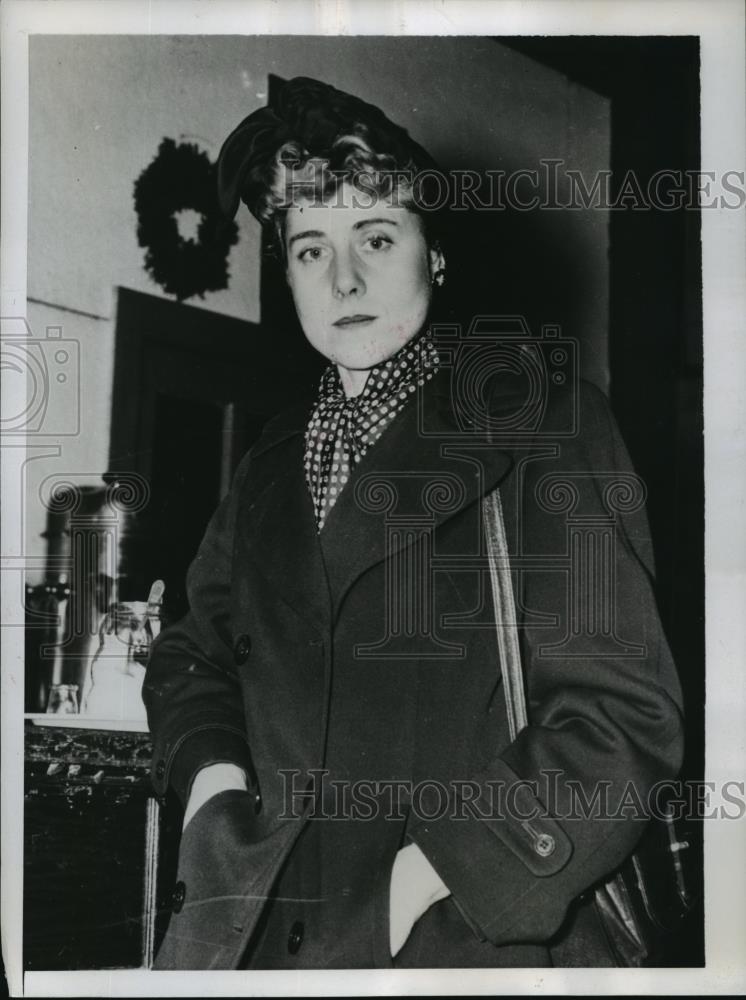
(720, 27)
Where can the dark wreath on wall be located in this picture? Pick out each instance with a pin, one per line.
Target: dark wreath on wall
(181, 177)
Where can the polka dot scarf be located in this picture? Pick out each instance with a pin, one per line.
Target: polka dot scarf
(341, 430)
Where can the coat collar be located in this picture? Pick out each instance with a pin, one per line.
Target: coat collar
(425, 468)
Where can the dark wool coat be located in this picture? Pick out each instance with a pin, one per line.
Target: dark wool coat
(332, 667)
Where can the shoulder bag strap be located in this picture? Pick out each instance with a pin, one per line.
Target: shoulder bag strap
(505, 617)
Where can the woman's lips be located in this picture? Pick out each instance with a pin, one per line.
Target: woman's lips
(359, 319)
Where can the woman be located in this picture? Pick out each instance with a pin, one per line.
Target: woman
(330, 712)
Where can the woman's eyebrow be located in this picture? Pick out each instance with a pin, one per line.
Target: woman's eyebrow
(315, 234)
(374, 222)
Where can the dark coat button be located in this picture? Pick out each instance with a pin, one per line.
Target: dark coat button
(160, 769)
(295, 937)
(257, 802)
(242, 649)
(178, 896)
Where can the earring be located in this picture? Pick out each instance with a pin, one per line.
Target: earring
(439, 277)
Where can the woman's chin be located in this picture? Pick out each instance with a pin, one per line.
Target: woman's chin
(359, 362)
(365, 352)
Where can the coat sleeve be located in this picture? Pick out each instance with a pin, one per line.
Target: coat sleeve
(191, 690)
(560, 807)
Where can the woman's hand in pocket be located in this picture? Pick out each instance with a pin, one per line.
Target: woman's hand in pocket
(415, 886)
(210, 781)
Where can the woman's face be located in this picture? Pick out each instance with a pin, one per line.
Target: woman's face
(361, 278)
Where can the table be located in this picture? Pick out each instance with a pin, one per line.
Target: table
(100, 850)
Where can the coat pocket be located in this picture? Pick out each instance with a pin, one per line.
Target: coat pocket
(226, 869)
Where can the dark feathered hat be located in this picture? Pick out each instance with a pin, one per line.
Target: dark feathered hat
(313, 115)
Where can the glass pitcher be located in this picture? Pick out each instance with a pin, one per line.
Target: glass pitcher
(117, 669)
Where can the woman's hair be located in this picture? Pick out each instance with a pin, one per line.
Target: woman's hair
(295, 177)
(309, 142)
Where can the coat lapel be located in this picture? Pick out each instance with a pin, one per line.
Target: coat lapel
(278, 522)
(424, 469)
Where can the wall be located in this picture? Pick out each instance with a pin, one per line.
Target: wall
(100, 105)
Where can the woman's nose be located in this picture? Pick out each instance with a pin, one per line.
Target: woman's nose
(346, 277)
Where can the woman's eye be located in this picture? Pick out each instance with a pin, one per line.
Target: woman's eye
(310, 254)
(378, 242)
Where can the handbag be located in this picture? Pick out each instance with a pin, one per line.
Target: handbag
(635, 915)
